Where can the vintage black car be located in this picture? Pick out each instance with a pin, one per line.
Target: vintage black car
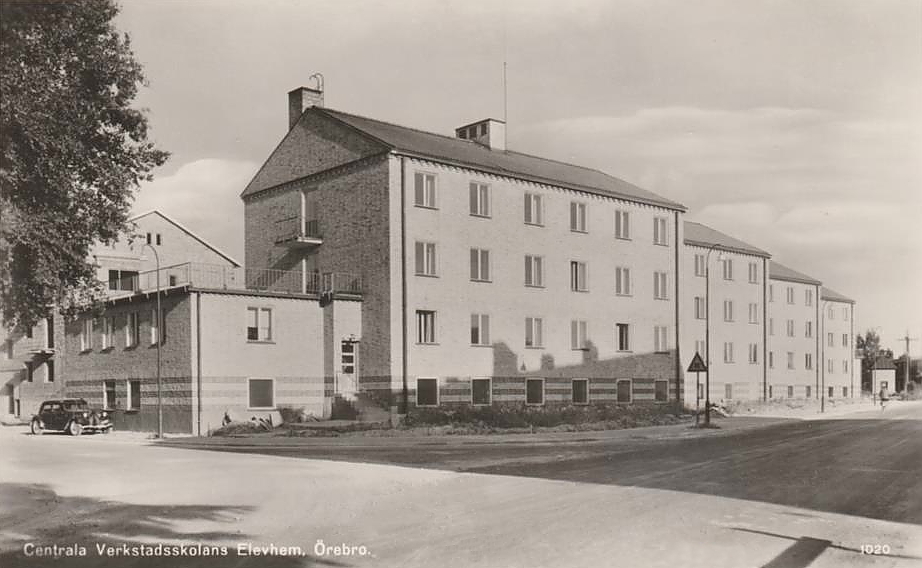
(71, 415)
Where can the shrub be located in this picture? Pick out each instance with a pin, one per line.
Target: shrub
(524, 416)
(236, 428)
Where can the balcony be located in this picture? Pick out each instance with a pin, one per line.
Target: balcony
(294, 233)
(217, 277)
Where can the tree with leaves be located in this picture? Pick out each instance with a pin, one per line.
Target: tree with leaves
(868, 350)
(73, 150)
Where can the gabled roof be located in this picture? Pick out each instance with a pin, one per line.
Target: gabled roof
(704, 236)
(827, 294)
(778, 271)
(466, 153)
(187, 231)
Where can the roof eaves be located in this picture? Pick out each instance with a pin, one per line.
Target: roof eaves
(719, 246)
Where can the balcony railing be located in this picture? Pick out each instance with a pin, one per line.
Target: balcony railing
(264, 280)
(293, 232)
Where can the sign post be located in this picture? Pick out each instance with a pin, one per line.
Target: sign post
(697, 366)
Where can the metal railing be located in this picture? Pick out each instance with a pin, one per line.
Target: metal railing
(258, 279)
(293, 228)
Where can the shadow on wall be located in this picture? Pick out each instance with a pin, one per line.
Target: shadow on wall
(660, 365)
(34, 513)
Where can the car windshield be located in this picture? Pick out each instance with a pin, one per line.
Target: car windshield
(75, 406)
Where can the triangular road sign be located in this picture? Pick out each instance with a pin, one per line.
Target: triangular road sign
(697, 365)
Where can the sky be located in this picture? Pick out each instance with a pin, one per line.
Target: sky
(793, 125)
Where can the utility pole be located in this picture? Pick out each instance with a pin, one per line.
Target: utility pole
(907, 339)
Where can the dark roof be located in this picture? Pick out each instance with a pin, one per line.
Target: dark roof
(827, 294)
(882, 363)
(702, 235)
(466, 153)
(779, 271)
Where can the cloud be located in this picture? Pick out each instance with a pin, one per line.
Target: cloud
(203, 195)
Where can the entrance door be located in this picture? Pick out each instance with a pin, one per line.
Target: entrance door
(348, 384)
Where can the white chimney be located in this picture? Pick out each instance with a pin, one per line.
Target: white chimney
(301, 99)
(489, 132)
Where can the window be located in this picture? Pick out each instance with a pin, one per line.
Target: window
(534, 391)
(790, 359)
(578, 217)
(790, 294)
(771, 292)
(660, 234)
(261, 393)
(771, 326)
(624, 390)
(700, 347)
(534, 332)
(480, 265)
(790, 328)
(700, 310)
(480, 199)
(134, 395)
(753, 313)
(30, 371)
(808, 297)
(424, 194)
(728, 352)
(844, 340)
(660, 339)
(149, 240)
(86, 335)
(832, 313)
(49, 371)
(347, 356)
(481, 391)
(623, 281)
(578, 276)
(579, 334)
(132, 330)
(831, 339)
(159, 242)
(427, 392)
(754, 353)
(109, 402)
(426, 259)
(425, 326)
(845, 314)
(108, 332)
(259, 324)
(831, 392)
(770, 391)
(845, 391)
(754, 272)
(624, 336)
(728, 310)
(660, 291)
(580, 391)
(771, 359)
(830, 366)
(155, 327)
(808, 329)
(480, 329)
(844, 365)
(700, 268)
(809, 391)
(622, 225)
(808, 360)
(534, 271)
(661, 391)
(534, 209)
(728, 391)
(728, 268)
(790, 391)
(125, 280)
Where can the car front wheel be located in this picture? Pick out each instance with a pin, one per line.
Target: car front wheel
(36, 428)
(75, 429)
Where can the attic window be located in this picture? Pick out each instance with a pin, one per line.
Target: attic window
(158, 239)
(148, 238)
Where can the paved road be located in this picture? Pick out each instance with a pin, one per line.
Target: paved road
(790, 495)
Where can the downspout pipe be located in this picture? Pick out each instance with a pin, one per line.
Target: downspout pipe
(765, 329)
(679, 386)
(405, 395)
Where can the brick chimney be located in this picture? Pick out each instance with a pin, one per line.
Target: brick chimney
(301, 99)
(489, 132)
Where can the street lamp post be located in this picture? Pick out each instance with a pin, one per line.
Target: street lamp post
(707, 334)
(159, 335)
(822, 361)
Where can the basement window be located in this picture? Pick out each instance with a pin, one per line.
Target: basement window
(534, 391)
(261, 393)
(427, 392)
(481, 391)
(580, 391)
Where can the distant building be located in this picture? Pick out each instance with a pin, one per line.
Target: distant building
(793, 334)
(839, 375)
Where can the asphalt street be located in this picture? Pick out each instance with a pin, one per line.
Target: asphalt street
(785, 494)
